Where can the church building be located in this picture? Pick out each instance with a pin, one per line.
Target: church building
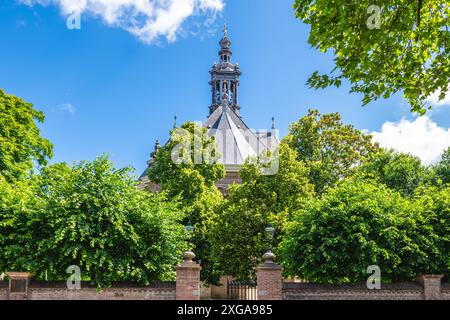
(236, 141)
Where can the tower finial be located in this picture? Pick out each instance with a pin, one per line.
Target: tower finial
(155, 151)
(273, 123)
(174, 122)
(225, 30)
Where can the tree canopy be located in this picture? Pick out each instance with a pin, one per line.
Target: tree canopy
(399, 171)
(186, 167)
(358, 224)
(382, 47)
(238, 238)
(442, 169)
(434, 203)
(330, 149)
(20, 139)
(93, 216)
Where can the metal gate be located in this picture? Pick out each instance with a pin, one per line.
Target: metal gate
(241, 290)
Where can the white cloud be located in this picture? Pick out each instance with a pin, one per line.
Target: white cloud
(66, 108)
(434, 99)
(146, 19)
(421, 137)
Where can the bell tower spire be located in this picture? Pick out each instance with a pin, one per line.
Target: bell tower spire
(225, 78)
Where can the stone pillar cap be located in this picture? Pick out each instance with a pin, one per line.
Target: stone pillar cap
(269, 257)
(188, 256)
(269, 261)
(188, 262)
(426, 277)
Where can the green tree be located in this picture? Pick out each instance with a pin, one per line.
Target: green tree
(434, 203)
(442, 169)
(399, 171)
(18, 206)
(407, 51)
(186, 168)
(238, 239)
(355, 225)
(187, 165)
(91, 215)
(330, 149)
(20, 140)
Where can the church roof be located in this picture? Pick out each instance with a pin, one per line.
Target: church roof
(236, 141)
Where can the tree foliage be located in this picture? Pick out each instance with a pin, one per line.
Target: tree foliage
(186, 168)
(238, 239)
(442, 169)
(93, 216)
(408, 52)
(399, 171)
(186, 165)
(330, 149)
(20, 139)
(358, 224)
(434, 203)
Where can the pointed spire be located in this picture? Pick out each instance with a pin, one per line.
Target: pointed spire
(273, 123)
(225, 30)
(157, 147)
(174, 122)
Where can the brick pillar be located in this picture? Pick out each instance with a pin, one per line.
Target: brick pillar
(431, 286)
(18, 285)
(188, 278)
(269, 279)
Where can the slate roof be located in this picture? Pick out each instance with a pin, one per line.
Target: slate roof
(235, 140)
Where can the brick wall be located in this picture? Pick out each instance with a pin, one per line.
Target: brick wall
(310, 291)
(186, 287)
(3, 290)
(123, 291)
(446, 291)
(432, 286)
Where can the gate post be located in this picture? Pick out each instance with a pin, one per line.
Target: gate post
(269, 279)
(188, 278)
(18, 285)
(431, 286)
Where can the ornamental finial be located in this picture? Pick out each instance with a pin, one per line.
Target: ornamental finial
(174, 122)
(273, 123)
(157, 147)
(225, 30)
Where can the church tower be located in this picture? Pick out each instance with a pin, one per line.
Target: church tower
(225, 78)
(236, 142)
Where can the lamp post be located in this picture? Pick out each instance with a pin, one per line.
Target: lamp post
(269, 257)
(189, 228)
(270, 231)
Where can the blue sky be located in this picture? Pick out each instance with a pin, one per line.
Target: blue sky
(108, 90)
